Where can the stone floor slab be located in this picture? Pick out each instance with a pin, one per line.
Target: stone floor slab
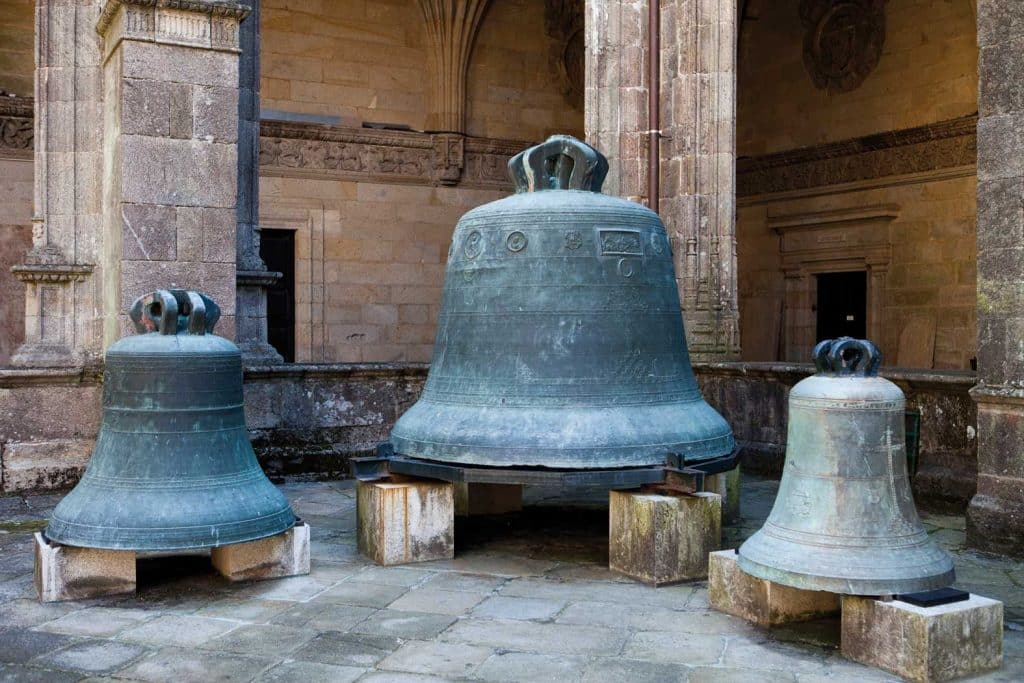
(20, 673)
(514, 667)
(265, 638)
(362, 594)
(659, 646)
(530, 636)
(619, 670)
(310, 672)
(97, 621)
(454, 660)
(175, 665)
(177, 630)
(391, 622)
(503, 607)
(19, 645)
(436, 601)
(461, 581)
(346, 649)
(93, 656)
(323, 616)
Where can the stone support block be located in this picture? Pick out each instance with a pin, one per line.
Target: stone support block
(733, 591)
(487, 499)
(68, 573)
(662, 539)
(403, 520)
(727, 485)
(924, 643)
(286, 554)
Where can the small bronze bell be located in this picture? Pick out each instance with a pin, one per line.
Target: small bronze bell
(173, 467)
(560, 340)
(844, 519)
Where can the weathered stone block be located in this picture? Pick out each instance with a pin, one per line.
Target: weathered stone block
(44, 465)
(402, 521)
(733, 591)
(149, 233)
(286, 554)
(924, 643)
(662, 539)
(727, 485)
(487, 499)
(215, 114)
(68, 573)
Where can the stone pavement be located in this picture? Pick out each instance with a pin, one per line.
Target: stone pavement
(528, 598)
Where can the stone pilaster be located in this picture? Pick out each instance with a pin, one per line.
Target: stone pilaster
(171, 83)
(995, 517)
(698, 146)
(61, 324)
(253, 278)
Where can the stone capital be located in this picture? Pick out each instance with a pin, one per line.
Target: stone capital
(209, 24)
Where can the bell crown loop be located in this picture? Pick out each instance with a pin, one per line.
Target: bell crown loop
(174, 311)
(847, 357)
(560, 163)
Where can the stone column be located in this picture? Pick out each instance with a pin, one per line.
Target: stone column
(698, 148)
(60, 273)
(995, 518)
(253, 278)
(170, 73)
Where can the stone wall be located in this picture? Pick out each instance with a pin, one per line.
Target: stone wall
(875, 173)
(947, 463)
(17, 37)
(362, 61)
(15, 217)
(926, 72)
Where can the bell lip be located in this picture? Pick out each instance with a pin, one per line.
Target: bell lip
(223, 539)
(843, 585)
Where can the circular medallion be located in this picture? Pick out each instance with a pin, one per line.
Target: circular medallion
(573, 240)
(625, 268)
(474, 245)
(657, 244)
(843, 41)
(516, 242)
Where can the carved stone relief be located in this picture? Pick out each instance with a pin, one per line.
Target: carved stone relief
(16, 127)
(843, 41)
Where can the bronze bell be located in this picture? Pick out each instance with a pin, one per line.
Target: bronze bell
(844, 519)
(173, 467)
(560, 340)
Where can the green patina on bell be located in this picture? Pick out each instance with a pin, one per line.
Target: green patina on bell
(560, 340)
(173, 468)
(844, 519)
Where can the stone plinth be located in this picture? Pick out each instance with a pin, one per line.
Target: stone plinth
(68, 573)
(733, 591)
(662, 539)
(487, 499)
(406, 520)
(924, 643)
(285, 554)
(727, 485)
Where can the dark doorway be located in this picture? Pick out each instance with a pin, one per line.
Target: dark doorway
(842, 305)
(277, 248)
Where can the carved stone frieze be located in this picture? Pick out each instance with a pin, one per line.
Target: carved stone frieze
(16, 127)
(563, 22)
(302, 149)
(203, 23)
(843, 41)
(944, 145)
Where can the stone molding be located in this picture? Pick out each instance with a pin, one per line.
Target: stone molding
(933, 147)
(210, 24)
(256, 278)
(51, 273)
(451, 27)
(17, 134)
(359, 154)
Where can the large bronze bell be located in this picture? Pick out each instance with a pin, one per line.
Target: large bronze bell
(844, 519)
(173, 467)
(560, 341)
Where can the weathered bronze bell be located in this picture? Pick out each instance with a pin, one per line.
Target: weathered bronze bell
(173, 467)
(560, 341)
(844, 519)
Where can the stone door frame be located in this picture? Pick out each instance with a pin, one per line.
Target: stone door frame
(844, 240)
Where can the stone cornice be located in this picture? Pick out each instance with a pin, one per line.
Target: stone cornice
(934, 147)
(359, 154)
(16, 127)
(51, 273)
(297, 371)
(256, 278)
(210, 24)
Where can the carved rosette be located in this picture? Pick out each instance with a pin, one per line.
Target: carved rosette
(843, 41)
(564, 24)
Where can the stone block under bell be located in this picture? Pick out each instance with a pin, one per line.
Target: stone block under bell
(661, 539)
(286, 554)
(68, 573)
(733, 591)
(924, 643)
(404, 520)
